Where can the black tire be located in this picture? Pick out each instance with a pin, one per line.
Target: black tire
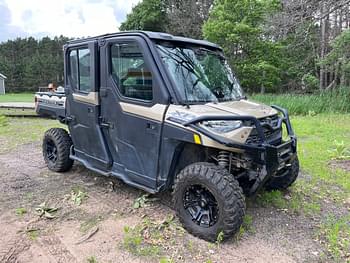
(285, 178)
(218, 183)
(56, 150)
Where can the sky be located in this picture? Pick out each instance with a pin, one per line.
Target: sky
(71, 18)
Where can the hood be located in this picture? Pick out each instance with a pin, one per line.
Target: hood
(244, 107)
(240, 108)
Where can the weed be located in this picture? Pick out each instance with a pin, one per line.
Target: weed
(33, 234)
(219, 238)
(92, 259)
(166, 260)
(339, 151)
(273, 198)
(247, 226)
(337, 236)
(46, 211)
(78, 196)
(147, 238)
(135, 243)
(143, 200)
(20, 211)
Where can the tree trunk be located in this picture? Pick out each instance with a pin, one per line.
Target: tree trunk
(262, 88)
(323, 47)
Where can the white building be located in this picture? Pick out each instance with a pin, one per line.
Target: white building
(2, 84)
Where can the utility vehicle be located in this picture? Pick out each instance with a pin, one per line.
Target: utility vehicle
(162, 112)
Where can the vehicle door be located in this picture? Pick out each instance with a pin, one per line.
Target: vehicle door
(132, 109)
(82, 106)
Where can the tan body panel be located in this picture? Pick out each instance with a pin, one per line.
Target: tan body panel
(91, 97)
(156, 112)
(240, 135)
(238, 108)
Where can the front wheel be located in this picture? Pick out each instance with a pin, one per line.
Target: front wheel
(208, 201)
(56, 150)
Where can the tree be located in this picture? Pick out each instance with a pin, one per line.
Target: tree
(149, 15)
(29, 63)
(186, 17)
(177, 17)
(237, 26)
(338, 59)
(308, 28)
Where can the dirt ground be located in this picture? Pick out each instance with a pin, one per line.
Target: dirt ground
(25, 182)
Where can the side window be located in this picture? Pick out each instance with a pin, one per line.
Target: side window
(129, 70)
(73, 65)
(79, 72)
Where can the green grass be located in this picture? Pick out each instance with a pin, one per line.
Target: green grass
(17, 112)
(336, 235)
(17, 97)
(303, 104)
(150, 238)
(322, 190)
(18, 131)
(317, 136)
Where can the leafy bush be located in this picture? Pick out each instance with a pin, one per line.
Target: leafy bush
(311, 82)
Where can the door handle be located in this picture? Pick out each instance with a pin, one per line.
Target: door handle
(105, 124)
(151, 126)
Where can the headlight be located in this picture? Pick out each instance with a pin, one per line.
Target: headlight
(222, 126)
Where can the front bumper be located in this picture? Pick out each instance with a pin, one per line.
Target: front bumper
(271, 158)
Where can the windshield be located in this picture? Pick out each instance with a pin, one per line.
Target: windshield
(200, 75)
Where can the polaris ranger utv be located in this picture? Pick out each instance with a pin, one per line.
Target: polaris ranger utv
(167, 113)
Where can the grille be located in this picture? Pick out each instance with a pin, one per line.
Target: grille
(273, 137)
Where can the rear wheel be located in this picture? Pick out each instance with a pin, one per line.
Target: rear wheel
(284, 178)
(208, 201)
(56, 150)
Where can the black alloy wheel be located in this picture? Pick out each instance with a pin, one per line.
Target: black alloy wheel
(208, 201)
(51, 151)
(200, 203)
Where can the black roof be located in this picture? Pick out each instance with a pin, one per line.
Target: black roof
(151, 35)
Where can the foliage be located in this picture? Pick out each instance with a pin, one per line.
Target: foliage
(340, 151)
(149, 238)
(147, 15)
(311, 83)
(92, 259)
(237, 27)
(29, 63)
(20, 211)
(33, 234)
(184, 17)
(339, 57)
(78, 196)
(334, 101)
(43, 210)
(143, 200)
